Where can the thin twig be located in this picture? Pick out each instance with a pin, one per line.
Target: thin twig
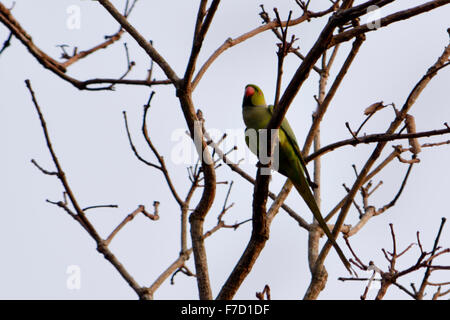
(128, 218)
(7, 43)
(421, 291)
(101, 206)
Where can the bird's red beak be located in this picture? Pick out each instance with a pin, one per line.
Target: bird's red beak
(249, 91)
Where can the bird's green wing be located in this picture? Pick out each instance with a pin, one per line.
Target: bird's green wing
(291, 137)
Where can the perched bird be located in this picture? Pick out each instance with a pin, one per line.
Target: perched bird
(256, 116)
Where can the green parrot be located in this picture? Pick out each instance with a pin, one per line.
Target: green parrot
(256, 116)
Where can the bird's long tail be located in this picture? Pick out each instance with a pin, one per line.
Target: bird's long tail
(305, 192)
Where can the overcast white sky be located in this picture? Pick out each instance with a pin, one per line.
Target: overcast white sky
(38, 241)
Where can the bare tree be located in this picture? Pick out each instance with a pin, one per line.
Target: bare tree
(342, 23)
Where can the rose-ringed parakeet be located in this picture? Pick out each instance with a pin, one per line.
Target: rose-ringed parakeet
(257, 115)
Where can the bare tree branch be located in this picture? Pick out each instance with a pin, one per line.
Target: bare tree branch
(79, 214)
(128, 218)
(60, 68)
(318, 115)
(151, 51)
(232, 42)
(376, 137)
(201, 28)
(395, 17)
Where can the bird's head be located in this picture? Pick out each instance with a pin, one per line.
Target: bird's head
(253, 96)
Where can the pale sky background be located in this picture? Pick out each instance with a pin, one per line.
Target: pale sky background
(39, 241)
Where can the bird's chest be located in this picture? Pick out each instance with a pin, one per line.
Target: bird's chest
(256, 117)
